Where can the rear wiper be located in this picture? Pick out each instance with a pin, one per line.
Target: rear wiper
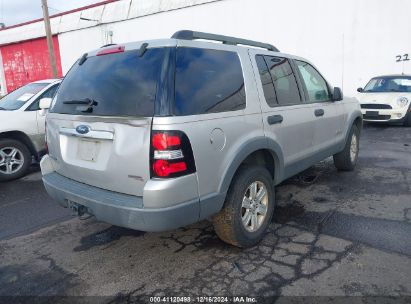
(87, 102)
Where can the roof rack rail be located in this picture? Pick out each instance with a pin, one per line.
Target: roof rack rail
(191, 35)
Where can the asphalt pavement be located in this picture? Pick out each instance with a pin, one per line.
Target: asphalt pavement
(26, 207)
(334, 234)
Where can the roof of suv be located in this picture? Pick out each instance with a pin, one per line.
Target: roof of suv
(196, 38)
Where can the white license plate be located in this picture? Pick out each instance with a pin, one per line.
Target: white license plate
(87, 150)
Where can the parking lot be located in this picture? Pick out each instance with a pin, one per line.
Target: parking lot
(334, 234)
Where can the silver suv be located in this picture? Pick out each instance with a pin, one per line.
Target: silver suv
(160, 134)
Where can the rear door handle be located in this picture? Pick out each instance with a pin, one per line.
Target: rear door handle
(319, 112)
(274, 119)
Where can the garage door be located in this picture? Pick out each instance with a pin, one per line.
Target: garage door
(28, 61)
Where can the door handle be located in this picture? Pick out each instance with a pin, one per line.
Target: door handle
(274, 119)
(319, 112)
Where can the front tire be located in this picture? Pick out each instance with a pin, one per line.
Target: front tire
(248, 208)
(407, 122)
(347, 158)
(15, 159)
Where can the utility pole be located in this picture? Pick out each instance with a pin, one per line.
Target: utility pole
(49, 37)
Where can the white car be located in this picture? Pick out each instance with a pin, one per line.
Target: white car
(22, 127)
(387, 99)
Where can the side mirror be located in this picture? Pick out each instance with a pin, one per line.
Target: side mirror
(45, 103)
(337, 94)
(360, 90)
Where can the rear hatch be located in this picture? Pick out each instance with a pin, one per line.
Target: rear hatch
(99, 124)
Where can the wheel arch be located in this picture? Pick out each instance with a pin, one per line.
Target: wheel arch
(355, 119)
(22, 137)
(258, 151)
(358, 121)
(261, 151)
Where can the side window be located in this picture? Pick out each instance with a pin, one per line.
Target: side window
(47, 94)
(284, 80)
(315, 84)
(208, 81)
(266, 81)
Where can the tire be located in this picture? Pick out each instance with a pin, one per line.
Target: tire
(23, 155)
(347, 158)
(407, 122)
(228, 223)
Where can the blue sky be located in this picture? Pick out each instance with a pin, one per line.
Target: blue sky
(18, 11)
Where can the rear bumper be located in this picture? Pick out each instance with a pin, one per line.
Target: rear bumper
(120, 209)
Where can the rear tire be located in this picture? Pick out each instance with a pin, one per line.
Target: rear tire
(248, 208)
(15, 159)
(347, 158)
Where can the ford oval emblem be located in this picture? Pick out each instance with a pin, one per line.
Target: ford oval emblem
(82, 129)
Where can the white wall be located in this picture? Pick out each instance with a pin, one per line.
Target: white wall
(348, 40)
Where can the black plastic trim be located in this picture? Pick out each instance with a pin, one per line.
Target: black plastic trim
(192, 35)
(275, 119)
(83, 59)
(166, 85)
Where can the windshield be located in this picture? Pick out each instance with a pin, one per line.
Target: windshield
(120, 84)
(389, 84)
(16, 99)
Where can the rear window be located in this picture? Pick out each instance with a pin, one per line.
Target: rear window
(208, 81)
(120, 84)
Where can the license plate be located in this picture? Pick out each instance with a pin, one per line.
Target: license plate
(87, 150)
(371, 113)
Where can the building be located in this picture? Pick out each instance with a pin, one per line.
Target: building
(350, 41)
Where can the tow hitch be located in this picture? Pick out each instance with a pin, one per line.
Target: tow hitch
(79, 210)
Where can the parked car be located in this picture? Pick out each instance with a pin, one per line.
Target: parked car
(22, 127)
(160, 134)
(387, 99)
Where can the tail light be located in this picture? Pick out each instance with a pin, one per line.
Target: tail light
(171, 154)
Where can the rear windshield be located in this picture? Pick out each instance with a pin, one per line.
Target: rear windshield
(120, 84)
(16, 99)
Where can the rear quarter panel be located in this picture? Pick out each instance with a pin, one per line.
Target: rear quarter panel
(217, 138)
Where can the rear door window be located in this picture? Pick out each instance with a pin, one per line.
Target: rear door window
(284, 80)
(208, 81)
(120, 84)
(266, 81)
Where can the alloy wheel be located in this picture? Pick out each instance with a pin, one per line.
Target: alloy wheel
(11, 160)
(254, 206)
(353, 148)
